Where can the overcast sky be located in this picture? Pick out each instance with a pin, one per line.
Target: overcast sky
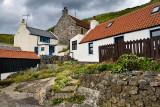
(45, 13)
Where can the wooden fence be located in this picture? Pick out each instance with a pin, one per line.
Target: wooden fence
(149, 48)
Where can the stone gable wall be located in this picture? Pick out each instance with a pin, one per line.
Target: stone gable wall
(115, 90)
(64, 27)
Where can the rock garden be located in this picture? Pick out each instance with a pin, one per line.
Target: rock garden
(129, 82)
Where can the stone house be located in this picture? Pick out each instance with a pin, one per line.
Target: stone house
(68, 27)
(140, 24)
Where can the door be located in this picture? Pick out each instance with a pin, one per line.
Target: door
(51, 50)
(36, 50)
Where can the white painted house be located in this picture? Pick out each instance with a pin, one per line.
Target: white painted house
(140, 24)
(40, 41)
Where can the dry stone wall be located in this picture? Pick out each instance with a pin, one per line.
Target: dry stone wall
(136, 89)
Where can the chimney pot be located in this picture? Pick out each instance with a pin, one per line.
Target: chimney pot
(23, 20)
(94, 17)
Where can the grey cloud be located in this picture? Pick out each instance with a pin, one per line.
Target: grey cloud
(46, 13)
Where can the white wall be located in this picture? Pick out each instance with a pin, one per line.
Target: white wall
(58, 48)
(82, 53)
(5, 75)
(21, 38)
(28, 42)
(75, 53)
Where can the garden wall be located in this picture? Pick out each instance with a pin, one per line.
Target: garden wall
(136, 89)
(50, 59)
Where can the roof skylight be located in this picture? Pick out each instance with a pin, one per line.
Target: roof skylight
(155, 9)
(110, 24)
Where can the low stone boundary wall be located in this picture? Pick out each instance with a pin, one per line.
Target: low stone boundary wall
(50, 59)
(122, 90)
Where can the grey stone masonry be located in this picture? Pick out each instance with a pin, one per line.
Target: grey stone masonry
(122, 90)
(67, 28)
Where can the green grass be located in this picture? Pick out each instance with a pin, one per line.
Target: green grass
(7, 38)
(108, 16)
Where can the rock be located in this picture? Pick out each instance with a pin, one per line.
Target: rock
(133, 90)
(133, 82)
(135, 73)
(158, 75)
(125, 95)
(121, 103)
(155, 84)
(114, 81)
(139, 103)
(142, 83)
(153, 97)
(125, 78)
(106, 78)
(148, 73)
(114, 100)
(122, 83)
(116, 89)
(106, 83)
(92, 84)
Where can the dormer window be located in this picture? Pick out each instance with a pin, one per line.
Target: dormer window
(109, 25)
(155, 9)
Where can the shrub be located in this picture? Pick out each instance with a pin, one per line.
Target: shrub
(57, 101)
(132, 62)
(105, 67)
(155, 67)
(6, 82)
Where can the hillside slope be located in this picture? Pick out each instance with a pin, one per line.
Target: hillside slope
(7, 38)
(108, 16)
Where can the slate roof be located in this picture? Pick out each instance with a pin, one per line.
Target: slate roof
(10, 47)
(80, 22)
(137, 20)
(38, 32)
(5, 53)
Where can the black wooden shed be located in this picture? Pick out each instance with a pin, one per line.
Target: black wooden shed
(15, 60)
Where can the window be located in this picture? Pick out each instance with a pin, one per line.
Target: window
(42, 48)
(110, 24)
(155, 33)
(81, 30)
(90, 46)
(44, 39)
(119, 39)
(155, 9)
(74, 45)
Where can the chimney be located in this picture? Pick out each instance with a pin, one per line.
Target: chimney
(65, 11)
(93, 23)
(94, 17)
(23, 21)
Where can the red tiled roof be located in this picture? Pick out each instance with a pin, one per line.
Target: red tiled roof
(136, 20)
(81, 23)
(4, 53)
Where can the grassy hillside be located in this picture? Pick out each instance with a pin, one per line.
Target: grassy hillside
(108, 16)
(6, 38)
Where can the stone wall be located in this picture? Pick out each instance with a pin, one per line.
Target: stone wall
(135, 89)
(66, 28)
(49, 59)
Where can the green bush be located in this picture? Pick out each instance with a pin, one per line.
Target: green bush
(132, 62)
(105, 67)
(6, 82)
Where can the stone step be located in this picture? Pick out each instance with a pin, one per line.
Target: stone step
(63, 95)
(68, 88)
